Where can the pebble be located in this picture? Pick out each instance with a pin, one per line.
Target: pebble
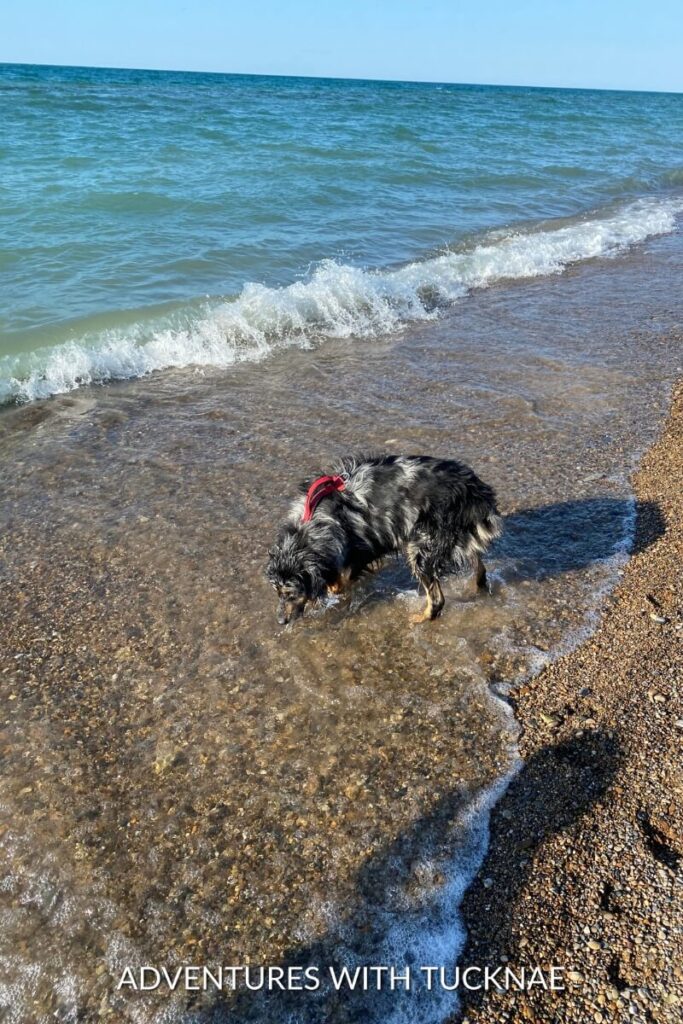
(596, 824)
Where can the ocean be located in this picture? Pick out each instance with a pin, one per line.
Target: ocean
(212, 287)
(155, 219)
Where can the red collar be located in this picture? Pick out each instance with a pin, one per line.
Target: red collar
(318, 490)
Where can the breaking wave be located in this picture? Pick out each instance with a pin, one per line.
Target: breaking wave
(337, 301)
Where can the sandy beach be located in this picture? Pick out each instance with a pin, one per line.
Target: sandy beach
(216, 287)
(188, 783)
(584, 864)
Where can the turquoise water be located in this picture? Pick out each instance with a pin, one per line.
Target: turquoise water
(155, 219)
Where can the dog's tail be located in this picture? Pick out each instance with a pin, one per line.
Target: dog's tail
(480, 535)
(484, 524)
(488, 528)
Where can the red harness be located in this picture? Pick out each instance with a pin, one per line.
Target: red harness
(318, 490)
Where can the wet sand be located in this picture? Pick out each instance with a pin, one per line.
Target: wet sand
(183, 781)
(584, 867)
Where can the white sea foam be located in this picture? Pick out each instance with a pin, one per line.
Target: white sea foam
(436, 937)
(337, 301)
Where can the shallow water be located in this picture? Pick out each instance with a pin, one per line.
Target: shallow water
(186, 782)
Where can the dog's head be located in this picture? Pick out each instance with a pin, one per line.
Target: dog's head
(293, 572)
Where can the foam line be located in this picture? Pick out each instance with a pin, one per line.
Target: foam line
(337, 301)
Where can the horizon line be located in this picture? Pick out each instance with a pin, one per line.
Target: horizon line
(341, 78)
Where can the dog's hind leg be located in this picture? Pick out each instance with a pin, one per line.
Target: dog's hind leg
(435, 601)
(419, 553)
(479, 570)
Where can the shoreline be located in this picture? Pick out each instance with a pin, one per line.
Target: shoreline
(197, 786)
(585, 850)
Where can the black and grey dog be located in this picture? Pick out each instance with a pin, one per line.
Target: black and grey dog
(436, 512)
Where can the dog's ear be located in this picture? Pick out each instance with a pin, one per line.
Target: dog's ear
(269, 568)
(313, 580)
(275, 564)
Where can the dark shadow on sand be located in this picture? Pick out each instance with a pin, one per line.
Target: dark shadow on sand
(565, 536)
(572, 775)
(557, 786)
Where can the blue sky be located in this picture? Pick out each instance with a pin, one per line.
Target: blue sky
(623, 44)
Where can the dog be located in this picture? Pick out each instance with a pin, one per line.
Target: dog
(436, 512)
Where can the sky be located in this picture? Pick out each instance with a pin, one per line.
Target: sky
(611, 44)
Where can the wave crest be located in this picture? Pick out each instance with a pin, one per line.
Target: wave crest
(338, 301)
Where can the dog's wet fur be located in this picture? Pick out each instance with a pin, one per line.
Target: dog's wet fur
(436, 512)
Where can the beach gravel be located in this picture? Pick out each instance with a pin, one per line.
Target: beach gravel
(585, 860)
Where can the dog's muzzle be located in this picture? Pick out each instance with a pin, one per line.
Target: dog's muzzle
(288, 611)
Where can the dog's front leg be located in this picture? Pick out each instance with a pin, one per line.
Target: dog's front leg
(341, 583)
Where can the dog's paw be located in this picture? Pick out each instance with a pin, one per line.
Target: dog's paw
(341, 584)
